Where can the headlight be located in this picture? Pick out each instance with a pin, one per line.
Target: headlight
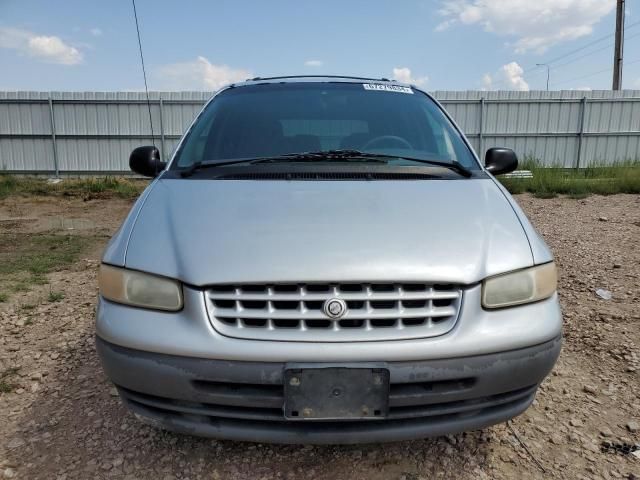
(523, 286)
(139, 289)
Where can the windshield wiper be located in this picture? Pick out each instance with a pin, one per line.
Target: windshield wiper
(340, 155)
(326, 155)
(455, 166)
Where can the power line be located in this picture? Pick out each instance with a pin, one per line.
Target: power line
(583, 76)
(593, 73)
(535, 70)
(598, 40)
(609, 45)
(144, 72)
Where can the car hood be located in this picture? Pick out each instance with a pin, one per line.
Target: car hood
(223, 231)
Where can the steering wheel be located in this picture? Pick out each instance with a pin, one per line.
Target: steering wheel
(384, 138)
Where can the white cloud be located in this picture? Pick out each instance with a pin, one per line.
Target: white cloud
(50, 49)
(199, 74)
(536, 24)
(314, 63)
(96, 32)
(508, 77)
(403, 74)
(487, 82)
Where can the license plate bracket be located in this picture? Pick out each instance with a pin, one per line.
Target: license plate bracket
(336, 393)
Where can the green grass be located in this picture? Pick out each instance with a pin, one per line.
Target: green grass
(26, 259)
(104, 186)
(548, 182)
(39, 254)
(3, 297)
(55, 296)
(21, 285)
(5, 386)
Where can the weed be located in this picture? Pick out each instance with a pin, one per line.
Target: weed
(39, 254)
(545, 194)
(120, 187)
(599, 179)
(55, 296)
(26, 259)
(3, 297)
(38, 279)
(27, 306)
(5, 386)
(20, 286)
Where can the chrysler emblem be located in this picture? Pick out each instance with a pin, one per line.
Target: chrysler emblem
(334, 308)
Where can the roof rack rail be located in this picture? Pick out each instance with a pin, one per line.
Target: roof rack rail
(318, 76)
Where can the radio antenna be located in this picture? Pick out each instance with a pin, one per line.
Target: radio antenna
(144, 72)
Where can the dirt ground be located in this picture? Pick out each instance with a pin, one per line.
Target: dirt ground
(61, 418)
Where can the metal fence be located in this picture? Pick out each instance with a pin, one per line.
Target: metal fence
(94, 132)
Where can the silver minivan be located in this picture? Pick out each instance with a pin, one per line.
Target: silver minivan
(325, 260)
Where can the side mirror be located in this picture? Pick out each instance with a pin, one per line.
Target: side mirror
(146, 161)
(500, 160)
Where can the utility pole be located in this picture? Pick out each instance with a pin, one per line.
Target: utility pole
(548, 71)
(619, 47)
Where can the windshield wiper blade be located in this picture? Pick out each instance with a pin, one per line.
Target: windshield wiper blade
(345, 155)
(324, 155)
(455, 166)
(191, 169)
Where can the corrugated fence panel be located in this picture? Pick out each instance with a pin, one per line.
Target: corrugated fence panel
(556, 151)
(598, 150)
(26, 154)
(97, 154)
(466, 115)
(177, 117)
(25, 119)
(96, 131)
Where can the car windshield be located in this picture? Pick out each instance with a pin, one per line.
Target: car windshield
(274, 119)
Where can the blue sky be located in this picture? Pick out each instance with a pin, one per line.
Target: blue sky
(200, 45)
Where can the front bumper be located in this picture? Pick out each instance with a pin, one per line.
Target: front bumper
(243, 400)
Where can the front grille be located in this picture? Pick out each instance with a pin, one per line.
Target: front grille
(266, 403)
(295, 311)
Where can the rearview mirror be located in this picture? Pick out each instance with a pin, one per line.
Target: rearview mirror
(500, 160)
(146, 161)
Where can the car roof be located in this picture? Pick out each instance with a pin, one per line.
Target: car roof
(315, 78)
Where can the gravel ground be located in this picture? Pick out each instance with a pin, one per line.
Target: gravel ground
(63, 419)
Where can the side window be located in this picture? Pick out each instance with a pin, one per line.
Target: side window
(193, 150)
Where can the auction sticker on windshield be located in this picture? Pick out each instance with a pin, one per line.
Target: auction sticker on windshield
(387, 88)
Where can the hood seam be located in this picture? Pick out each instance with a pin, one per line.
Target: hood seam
(143, 201)
(524, 230)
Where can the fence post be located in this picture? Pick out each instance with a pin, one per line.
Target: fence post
(53, 136)
(583, 109)
(161, 132)
(481, 130)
